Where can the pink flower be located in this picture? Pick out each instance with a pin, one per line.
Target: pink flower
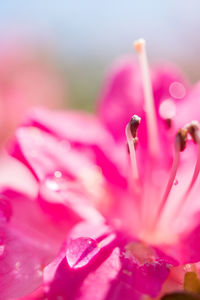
(148, 196)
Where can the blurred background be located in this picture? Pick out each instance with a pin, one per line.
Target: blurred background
(57, 52)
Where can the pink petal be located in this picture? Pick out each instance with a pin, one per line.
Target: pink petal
(70, 129)
(123, 86)
(123, 95)
(145, 268)
(106, 280)
(45, 155)
(21, 263)
(92, 259)
(67, 205)
(28, 242)
(15, 175)
(62, 175)
(38, 294)
(190, 106)
(187, 249)
(80, 256)
(26, 215)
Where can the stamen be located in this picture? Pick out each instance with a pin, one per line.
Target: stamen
(194, 130)
(134, 123)
(131, 132)
(149, 100)
(180, 144)
(181, 139)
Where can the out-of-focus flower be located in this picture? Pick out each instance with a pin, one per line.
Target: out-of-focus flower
(26, 79)
(148, 199)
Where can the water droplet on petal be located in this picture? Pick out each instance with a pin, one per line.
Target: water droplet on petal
(51, 184)
(80, 252)
(58, 174)
(55, 182)
(177, 90)
(175, 181)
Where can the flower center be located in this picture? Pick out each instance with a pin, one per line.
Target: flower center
(152, 200)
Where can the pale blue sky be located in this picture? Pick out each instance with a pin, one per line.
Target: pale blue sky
(87, 34)
(107, 27)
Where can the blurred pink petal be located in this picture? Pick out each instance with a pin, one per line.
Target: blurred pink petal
(26, 80)
(123, 95)
(71, 128)
(24, 253)
(13, 174)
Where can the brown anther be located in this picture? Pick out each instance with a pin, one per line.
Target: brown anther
(134, 123)
(194, 130)
(181, 138)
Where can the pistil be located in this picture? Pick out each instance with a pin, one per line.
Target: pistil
(152, 129)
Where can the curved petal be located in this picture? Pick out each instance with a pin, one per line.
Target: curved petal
(44, 155)
(21, 261)
(187, 249)
(38, 294)
(123, 94)
(13, 174)
(145, 268)
(90, 257)
(70, 184)
(80, 264)
(84, 132)
(123, 97)
(29, 240)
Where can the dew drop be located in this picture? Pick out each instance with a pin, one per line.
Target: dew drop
(55, 182)
(175, 181)
(51, 184)
(81, 251)
(58, 174)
